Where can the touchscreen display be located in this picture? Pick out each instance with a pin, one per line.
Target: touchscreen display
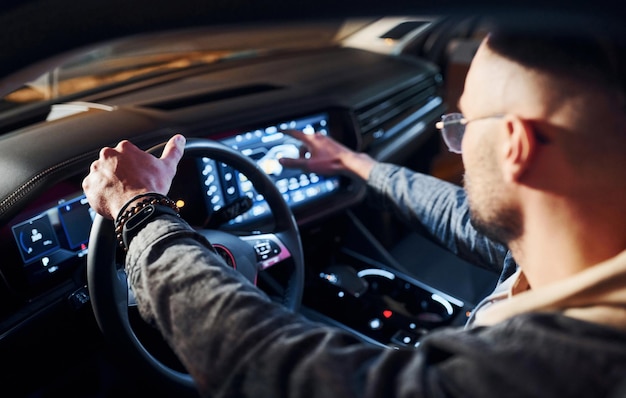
(224, 185)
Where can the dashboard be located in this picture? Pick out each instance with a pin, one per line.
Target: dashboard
(50, 239)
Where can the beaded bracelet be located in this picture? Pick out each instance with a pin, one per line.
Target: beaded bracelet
(150, 198)
(133, 199)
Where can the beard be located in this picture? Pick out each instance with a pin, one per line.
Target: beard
(492, 213)
(501, 225)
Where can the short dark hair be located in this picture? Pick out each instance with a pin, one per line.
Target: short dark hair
(583, 51)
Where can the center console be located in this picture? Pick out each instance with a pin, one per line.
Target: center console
(360, 288)
(379, 304)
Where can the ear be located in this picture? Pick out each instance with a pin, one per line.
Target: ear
(519, 147)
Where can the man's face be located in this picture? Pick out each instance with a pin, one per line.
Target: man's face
(493, 211)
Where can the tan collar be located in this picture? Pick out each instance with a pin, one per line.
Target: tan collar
(597, 294)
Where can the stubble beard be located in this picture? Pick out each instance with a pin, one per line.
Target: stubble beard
(490, 213)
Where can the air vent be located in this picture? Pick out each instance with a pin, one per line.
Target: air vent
(213, 96)
(386, 116)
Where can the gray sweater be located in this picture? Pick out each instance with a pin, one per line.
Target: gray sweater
(235, 341)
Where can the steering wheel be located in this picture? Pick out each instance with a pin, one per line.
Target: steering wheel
(108, 287)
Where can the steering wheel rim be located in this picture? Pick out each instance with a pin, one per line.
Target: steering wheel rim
(108, 288)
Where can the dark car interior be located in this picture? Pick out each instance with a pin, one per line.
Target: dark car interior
(365, 269)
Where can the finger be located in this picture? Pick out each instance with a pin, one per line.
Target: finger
(107, 152)
(302, 151)
(299, 163)
(174, 149)
(125, 146)
(85, 184)
(93, 167)
(298, 135)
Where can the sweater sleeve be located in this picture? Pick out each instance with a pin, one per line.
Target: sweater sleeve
(440, 207)
(230, 336)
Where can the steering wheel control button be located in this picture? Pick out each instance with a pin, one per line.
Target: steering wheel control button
(265, 248)
(79, 298)
(268, 248)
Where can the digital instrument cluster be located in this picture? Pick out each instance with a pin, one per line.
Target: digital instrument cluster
(47, 241)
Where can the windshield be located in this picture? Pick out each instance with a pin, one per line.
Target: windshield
(101, 69)
(139, 57)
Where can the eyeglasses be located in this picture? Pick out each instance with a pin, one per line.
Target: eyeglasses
(452, 126)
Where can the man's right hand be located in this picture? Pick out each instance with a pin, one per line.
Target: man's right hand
(322, 155)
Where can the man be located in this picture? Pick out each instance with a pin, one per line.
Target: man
(542, 137)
